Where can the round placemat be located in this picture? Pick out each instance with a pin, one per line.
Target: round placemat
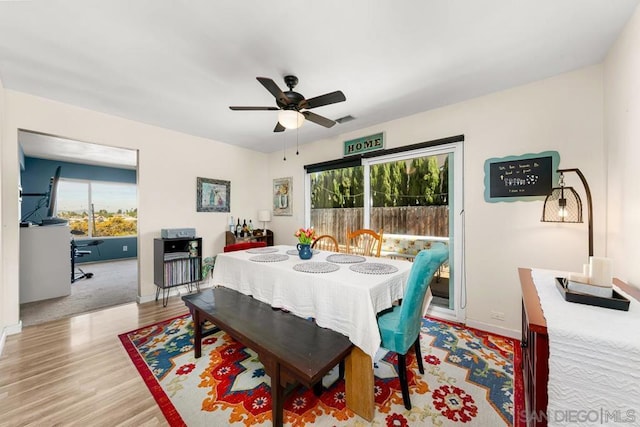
(345, 258)
(262, 250)
(316, 267)
(373, 268)
(295, 251)
(269, 258)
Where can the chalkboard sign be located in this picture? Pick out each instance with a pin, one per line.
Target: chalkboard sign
(521, 177)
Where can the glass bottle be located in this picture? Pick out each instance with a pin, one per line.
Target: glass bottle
(238, 229)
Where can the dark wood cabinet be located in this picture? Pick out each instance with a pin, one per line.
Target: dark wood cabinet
(535, 353)
(535, 348)
(176, 262)
(257, 236)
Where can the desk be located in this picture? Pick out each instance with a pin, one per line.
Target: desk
(343, 300)
(44, 263)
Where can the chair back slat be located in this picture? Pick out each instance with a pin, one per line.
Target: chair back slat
(364, 242)
(326, 243)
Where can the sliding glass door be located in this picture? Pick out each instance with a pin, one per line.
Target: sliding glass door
(412, 196)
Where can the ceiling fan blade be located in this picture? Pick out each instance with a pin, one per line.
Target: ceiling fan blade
(253, 108)
(322, 121)
(279, 128)
(326, 99)
(272, 87)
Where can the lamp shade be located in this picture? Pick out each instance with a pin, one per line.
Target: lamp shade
(562, 205)
(264, 215)
(290, 119)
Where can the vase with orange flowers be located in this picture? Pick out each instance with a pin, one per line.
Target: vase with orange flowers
(305, 236)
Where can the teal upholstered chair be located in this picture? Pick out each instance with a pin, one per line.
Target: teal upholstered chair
(400, 327)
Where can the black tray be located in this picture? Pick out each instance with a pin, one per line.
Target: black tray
(617, 302)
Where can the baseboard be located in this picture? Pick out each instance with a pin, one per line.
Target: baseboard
(9, 330)
(505, 332)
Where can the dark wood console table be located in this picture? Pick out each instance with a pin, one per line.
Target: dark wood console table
(257, 236)
(535, 348)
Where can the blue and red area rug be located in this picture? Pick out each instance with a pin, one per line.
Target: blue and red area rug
(469, 380)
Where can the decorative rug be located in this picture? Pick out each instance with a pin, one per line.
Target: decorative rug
(469, 380)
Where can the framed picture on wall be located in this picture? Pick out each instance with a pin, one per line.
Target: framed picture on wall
(282, 190)
(213, 195)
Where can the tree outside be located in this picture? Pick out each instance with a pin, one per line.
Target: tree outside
(407, 197)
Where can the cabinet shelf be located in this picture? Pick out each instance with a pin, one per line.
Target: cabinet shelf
(176, 262)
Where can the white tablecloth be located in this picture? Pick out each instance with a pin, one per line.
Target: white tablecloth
(594, 358)
(343, 300)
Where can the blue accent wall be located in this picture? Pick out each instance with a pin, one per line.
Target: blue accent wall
(35, 179)
(111, 248)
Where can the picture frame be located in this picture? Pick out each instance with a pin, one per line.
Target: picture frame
(213, 195)
(282, 200)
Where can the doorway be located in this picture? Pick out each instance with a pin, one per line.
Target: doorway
(105, 254)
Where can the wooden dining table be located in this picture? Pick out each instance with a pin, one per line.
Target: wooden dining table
(339, 291)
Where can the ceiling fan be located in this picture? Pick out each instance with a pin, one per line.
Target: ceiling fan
(293, 106)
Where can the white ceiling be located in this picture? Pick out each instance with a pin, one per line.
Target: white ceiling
(54, 148)
(181, 64)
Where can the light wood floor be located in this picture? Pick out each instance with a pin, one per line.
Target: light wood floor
(75, 371)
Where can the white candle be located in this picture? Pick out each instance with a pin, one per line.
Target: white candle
(577, 277)
(600, 271)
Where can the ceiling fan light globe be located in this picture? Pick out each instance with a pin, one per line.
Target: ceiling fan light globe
(290, 119)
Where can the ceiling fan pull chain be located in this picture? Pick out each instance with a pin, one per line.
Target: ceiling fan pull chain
(297, 134)
(284, 149)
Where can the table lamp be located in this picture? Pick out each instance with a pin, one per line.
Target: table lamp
(264, 216)
(564, 204)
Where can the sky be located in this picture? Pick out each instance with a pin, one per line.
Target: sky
(74, 196)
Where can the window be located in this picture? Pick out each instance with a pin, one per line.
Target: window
(411, 193)
(98, 208)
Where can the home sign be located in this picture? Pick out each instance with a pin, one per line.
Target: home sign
(364, 144)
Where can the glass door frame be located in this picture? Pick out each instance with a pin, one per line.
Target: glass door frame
(456, 217)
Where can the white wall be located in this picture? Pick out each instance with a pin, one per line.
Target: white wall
(4, 294)
(563, 113)
(622, 136)
(169, 163)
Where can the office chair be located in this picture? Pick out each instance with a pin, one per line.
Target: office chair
(79, 253)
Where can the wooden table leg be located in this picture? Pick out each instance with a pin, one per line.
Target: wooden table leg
(272, 368)
(359, 384)
(197, 333)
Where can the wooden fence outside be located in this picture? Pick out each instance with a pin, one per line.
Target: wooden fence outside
(411, 220)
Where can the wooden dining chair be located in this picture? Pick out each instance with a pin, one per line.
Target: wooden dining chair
(400, 326)
(326, 243)
(364, 242)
